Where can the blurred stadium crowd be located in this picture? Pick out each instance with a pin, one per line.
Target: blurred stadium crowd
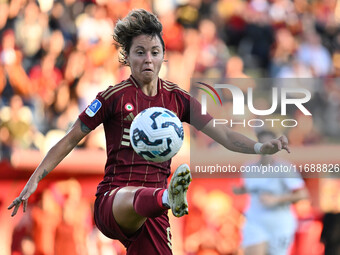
(56, 55)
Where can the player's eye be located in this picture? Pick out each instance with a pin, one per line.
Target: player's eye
(140, 52)
(155, 53)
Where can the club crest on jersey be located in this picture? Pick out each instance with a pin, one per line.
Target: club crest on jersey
(93, 108)
(129, 107)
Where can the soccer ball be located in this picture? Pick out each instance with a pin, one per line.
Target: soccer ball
(156, 134)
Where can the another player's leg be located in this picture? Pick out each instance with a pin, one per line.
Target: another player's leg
(177, 190)
(259, 249)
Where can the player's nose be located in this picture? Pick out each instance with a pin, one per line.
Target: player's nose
(148, 57)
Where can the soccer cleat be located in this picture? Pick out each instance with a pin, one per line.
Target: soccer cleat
(177, 190)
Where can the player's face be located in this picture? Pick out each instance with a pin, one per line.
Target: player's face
(145, 58)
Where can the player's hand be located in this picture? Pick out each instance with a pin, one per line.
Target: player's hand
(275, 145)
(239, 190)
(269, 200)
(28, 190)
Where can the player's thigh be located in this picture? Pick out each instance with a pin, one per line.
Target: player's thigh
(256, 249)
(124, 212)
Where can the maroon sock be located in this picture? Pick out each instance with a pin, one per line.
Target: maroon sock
(148, 202)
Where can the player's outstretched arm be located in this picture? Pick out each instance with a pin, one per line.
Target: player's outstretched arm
(53, 157)
(237, 142)
(271, 200)
(239, 190)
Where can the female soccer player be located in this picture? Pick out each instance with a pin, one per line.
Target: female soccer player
(133, 199)
(270, 226)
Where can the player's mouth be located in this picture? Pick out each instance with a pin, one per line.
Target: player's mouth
(147, 70)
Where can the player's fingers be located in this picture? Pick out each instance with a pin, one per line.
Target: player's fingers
(16, 208)
(14, 203)
(284, 142)
(25, 205)
(277, 144)
(11, 206)
(286, 148)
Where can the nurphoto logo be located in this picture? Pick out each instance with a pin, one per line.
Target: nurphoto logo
(280, 97)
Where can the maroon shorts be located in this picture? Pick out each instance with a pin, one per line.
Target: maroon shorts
(153, 238)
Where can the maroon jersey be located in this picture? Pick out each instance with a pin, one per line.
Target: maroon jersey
(116, 107)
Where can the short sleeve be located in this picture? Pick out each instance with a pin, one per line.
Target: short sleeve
(192, 113)
(294, 183)
(95, 113)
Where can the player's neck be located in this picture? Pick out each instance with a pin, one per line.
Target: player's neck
(149, 89)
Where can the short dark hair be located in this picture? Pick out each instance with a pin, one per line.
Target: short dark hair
(137, 22)
(263, 133)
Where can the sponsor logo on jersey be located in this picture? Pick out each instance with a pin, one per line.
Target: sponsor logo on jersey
(129, 107)
(93, 108)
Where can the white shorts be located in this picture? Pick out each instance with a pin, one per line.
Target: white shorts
(278, 239)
